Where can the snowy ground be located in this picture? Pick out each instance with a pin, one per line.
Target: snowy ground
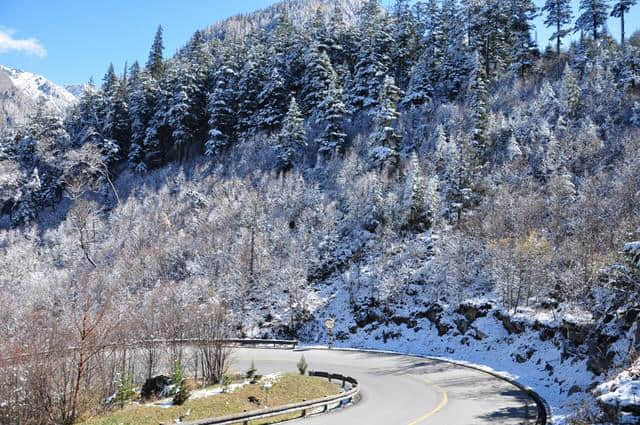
(564, 381)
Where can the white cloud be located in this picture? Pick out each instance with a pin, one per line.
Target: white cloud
(30, 46)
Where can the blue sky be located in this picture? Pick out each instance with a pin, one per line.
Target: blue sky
(69, 41)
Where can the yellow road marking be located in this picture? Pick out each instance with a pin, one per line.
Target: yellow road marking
(439, 407)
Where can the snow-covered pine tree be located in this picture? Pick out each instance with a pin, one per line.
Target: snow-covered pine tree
(272, 102)
(455, 65)
(405, 46)
(414, 197)
(180, 117)
(143, 92)
(155, 63)
(317, 77)
(157, 141)
(420, 90)
(373, 61)
(287, 52)
(487, 24)
(593, 17)
(250, 84)
(478, 99)
(319, 33)
(222, 110)
(201, 62)
(292, 137)
(558, 14)
(332, 112)
(385, 141)
(570, 102)
(116, 121)
(621, 8)
(523, 46)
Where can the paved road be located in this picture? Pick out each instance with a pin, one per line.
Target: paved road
(403, 390)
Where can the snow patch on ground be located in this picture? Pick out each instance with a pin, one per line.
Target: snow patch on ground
(212, 391)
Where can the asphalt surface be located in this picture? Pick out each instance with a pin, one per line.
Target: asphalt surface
(404, 390)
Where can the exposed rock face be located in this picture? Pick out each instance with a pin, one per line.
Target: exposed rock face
(512, 326)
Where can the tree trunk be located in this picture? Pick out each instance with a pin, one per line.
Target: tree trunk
(622, 31)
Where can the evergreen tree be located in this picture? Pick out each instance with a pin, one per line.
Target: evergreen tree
(333, 112)
(478, 102)
(523, 46)
(317, 77)
(222, 102)
(157, 140)
(488, 22)
(420, 90)
(455, 64)
(144, 90)
(385, 141)
(372, 58)
(559, 14)
(593, 17)
(569, 94)
(414, 197)
(201, 62)
(405, 42)
(272, 102)
(250, 85)
(180, 116)
(621, 8)
(292, 136)
(116, 122)
(155, 64)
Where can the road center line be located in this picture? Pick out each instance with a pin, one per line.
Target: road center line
(439, 407)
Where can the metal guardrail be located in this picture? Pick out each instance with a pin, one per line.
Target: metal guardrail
(303, 408)
(240, 342)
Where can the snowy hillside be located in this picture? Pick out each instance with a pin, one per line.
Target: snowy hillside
(21, 92)
(425, 175)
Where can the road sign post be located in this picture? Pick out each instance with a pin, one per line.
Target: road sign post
(329, 324)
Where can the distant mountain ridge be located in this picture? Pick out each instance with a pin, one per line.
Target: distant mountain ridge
(22, 92)
(299, 11)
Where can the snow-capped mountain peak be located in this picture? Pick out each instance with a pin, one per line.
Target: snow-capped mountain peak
(21, 92)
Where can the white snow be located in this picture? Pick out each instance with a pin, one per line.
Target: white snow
(623, 390)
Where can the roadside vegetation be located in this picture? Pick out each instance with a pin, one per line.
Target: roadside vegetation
(289, 388)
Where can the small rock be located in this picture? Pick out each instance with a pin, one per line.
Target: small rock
(575, 389)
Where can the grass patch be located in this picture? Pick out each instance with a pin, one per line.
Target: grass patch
(289, 389)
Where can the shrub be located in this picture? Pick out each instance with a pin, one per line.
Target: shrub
(252, 370)
(226, 382)
(183, 393)
(302, 365)
(125, 391)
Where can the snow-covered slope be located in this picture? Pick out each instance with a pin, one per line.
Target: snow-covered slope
(76, 89)
(21, 92)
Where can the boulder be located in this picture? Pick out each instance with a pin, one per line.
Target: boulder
(471, 312)
(512, 326)
(575, 332)
(154, 387)
(575, 389)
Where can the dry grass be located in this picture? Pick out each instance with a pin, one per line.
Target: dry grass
(289, 389)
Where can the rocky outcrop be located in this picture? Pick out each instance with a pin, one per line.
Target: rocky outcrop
(511, 325)
(154, 387)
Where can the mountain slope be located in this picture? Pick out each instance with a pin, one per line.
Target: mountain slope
(21, 92)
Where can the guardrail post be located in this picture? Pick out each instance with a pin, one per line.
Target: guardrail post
(304, 412)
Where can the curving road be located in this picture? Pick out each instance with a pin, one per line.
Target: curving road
(404, 390)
